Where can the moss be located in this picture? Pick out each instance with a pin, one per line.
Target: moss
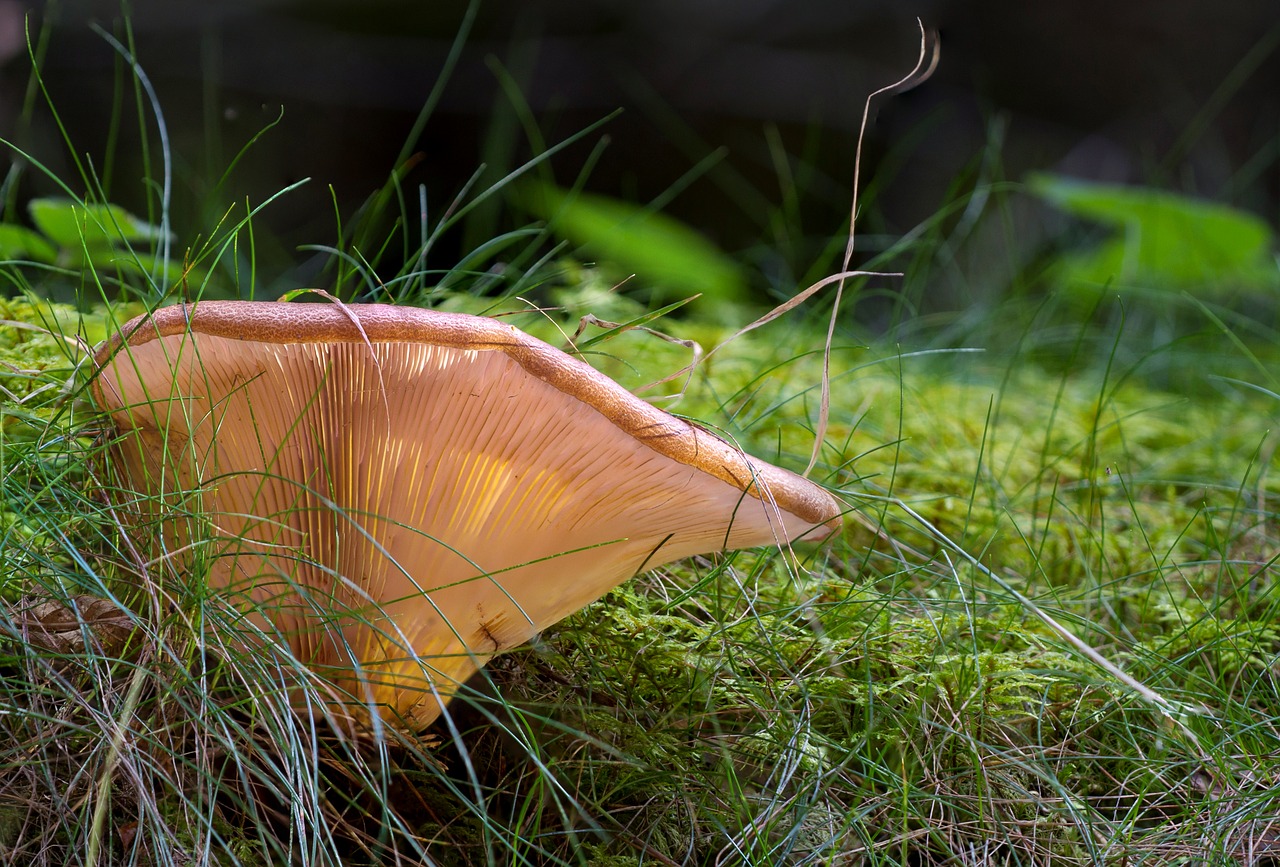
(877, 694)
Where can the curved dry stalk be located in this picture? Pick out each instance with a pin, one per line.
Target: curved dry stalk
(926, 63)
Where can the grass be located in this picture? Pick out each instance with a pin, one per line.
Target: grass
(886, 699)
(904, 694)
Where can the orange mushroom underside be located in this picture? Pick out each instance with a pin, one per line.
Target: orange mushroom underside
(397, 502)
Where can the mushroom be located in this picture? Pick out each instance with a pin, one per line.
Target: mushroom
(398, 494)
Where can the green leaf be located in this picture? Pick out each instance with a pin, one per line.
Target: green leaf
(75, 225)
(662, 252)
(1163, 240)
(168, 273)
(19, 242)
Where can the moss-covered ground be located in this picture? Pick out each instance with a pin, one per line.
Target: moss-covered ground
(900, 694)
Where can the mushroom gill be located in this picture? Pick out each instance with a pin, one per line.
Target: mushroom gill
(398, 494)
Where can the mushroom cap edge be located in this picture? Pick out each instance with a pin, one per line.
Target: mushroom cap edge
(668, 435)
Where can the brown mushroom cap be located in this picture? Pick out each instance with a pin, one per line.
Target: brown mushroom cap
(399, 493)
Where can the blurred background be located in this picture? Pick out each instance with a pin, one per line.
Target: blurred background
(739, 120)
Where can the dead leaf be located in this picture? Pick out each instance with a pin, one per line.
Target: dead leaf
(71, 627)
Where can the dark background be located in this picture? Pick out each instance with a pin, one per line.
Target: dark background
(1179, 94)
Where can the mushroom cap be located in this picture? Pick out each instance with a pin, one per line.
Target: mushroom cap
(397, 494)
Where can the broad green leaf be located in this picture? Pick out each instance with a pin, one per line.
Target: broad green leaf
(1163, 240)
(662, 252)
(19, 242)
(75, 225)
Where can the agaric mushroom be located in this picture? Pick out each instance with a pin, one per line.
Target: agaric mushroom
(399, 494)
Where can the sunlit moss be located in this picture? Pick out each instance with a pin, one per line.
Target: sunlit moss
(881, 692)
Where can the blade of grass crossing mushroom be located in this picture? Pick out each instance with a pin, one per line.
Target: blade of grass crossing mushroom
(400, 638)
(355, 320)
(781, 541)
